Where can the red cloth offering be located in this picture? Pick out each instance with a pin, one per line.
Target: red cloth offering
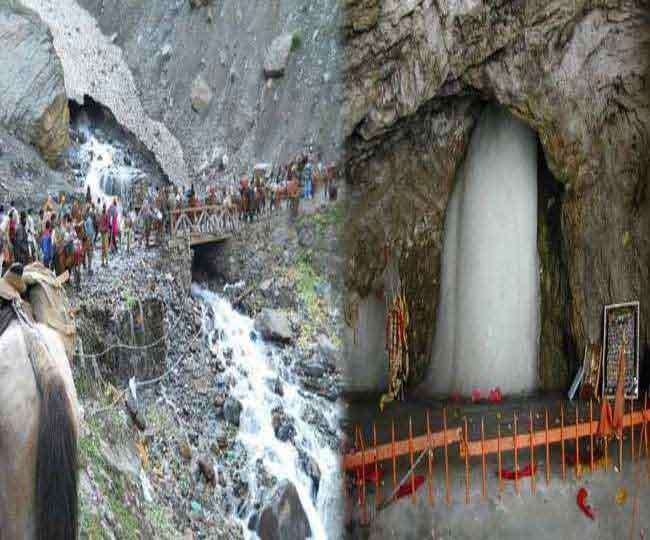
(369, 475)
(581, 499)
(527, 471)
(495, 395)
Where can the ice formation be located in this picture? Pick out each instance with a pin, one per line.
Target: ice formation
(487, 330)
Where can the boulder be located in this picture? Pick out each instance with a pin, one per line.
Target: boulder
(283, 425)
(284, 518)
(310, 466)
(274, 326)
(33, 101)
(232, 410)
(201, 95)
(277, 56)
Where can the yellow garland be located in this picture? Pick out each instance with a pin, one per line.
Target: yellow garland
(397, 344)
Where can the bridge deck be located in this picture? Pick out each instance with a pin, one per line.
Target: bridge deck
(201, 239)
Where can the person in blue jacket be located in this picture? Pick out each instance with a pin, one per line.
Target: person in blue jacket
(46, 245)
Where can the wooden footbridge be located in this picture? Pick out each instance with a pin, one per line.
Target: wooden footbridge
(205, 224)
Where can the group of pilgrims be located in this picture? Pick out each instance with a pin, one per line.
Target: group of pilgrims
(64, 233)
(303, 178)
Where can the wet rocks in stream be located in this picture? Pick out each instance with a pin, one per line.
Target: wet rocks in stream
(283, 516)
(310, 466)
(274, 326)
(283, 425)
(232, 409)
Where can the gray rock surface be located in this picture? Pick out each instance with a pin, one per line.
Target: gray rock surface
(277, 56)
(284, 518)
(33, 103)
(274, 325)
(201, 94)
(248, 119)
(24, 176)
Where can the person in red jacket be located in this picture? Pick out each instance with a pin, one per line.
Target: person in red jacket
(104, 228)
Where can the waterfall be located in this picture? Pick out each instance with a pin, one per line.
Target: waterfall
(107, 175)
(487, 328)
(253, 366)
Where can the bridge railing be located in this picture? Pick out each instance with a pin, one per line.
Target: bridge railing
(203, 220)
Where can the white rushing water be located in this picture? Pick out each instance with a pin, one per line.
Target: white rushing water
(255, 364)
(487, 331)
(107, 175)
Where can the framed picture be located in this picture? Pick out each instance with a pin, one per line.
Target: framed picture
(591, 362)
(621, 325)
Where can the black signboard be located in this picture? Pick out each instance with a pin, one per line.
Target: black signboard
(621, 324)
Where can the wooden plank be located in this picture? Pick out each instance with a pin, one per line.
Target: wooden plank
(554, 435)
(506, 443)
(384, 451)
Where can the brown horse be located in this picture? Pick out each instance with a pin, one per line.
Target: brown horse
(38, 415)
(70, 258)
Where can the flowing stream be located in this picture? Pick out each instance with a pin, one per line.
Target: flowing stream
(254, 365)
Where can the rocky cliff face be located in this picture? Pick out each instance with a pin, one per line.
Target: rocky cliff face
(24, 176)
(33, 103)
(218, 76)
(417, 75)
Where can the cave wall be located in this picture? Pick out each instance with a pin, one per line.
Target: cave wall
(578, 73)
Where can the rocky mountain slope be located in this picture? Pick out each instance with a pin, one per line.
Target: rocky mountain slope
(238, 78)
(417, 75)
(33, 103)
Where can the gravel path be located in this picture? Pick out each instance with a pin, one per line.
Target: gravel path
(94, 66)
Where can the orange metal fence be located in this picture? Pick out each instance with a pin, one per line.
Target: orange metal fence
(363, 461)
